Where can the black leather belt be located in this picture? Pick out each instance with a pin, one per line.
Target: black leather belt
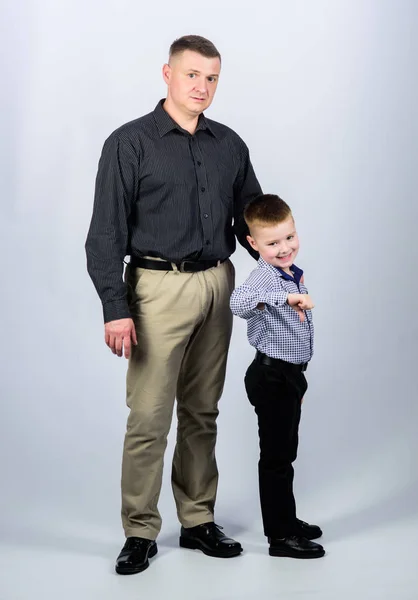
(186, 266)
(272, 362)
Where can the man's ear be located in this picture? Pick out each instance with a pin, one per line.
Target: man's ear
(252, 242)
(166, 73)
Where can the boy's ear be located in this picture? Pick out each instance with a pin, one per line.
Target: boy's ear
(252, 242)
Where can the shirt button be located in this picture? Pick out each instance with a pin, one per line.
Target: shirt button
(206, 215)
(202, 189)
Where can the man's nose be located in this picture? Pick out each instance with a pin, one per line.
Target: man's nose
(202, 85)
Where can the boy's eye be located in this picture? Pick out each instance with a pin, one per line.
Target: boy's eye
(273, 244)
(290, 237)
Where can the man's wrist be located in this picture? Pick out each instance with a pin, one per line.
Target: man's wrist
(115, 310)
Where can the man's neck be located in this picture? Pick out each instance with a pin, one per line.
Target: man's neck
(187, 122)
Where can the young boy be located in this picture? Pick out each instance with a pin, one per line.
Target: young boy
(275, 303)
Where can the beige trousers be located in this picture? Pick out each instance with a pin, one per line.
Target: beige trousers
(183, 324)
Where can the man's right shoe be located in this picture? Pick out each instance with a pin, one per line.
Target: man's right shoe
(209, 538)
(295, 547)
(134, 556)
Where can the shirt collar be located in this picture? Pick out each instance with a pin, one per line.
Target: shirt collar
(297, 272)
(165, 123)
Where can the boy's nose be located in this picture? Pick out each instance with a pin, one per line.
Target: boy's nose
(284, 250)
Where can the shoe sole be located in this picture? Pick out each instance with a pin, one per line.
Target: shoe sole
(192, 545)
(133, 570)
(288, 554)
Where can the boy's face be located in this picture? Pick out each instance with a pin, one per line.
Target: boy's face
(277, 244)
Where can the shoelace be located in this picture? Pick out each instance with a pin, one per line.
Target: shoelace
(214, 528)
(135, 543)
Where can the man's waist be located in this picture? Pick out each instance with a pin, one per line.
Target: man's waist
(184, 266)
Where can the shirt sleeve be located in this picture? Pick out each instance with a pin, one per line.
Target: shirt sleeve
(246, 187)
(107, 239)
(258, 288)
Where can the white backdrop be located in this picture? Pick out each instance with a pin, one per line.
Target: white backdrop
(325, 95)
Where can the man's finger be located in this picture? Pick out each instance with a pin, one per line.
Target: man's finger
(118, 345)
(127, 345)
(134, 338)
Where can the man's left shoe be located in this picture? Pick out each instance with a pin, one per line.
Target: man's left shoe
(210, 540)
(310, 532)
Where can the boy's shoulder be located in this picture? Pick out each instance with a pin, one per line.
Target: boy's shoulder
(263, 274)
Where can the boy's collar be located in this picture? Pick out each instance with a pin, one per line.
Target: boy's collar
(297, 272)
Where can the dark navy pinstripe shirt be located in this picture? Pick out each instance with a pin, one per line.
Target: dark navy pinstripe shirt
(161, 191)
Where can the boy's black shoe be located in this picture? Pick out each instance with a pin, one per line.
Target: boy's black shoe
(210, 540)
(133, 557)
(310, 532)
(295, 547)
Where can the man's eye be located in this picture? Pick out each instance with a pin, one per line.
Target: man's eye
(192, 75)
(211, 79)
(290, 237)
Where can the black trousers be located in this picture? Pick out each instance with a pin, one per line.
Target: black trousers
(276, 392)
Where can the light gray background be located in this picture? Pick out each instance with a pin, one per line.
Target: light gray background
(325, 95)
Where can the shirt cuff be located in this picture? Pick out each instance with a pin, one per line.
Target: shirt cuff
(118, 309)
(275, 299)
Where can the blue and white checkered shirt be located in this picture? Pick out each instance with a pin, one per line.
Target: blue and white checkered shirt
(277, 330)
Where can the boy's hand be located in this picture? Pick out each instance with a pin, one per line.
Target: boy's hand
(300, 303)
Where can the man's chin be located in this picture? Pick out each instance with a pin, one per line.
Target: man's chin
(197, 107)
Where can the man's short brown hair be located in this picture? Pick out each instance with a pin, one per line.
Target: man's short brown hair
(267, 209)
(195, 43)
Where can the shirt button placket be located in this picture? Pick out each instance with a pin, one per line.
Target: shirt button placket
(202, 191)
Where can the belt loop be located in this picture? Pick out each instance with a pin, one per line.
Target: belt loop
(175, 267)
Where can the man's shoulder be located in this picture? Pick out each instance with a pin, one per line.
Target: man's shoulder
(223, 131)
(133, 128)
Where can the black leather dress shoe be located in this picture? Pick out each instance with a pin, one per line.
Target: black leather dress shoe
(210, 540)
(310, 532)
(133, 557)
(295, 547)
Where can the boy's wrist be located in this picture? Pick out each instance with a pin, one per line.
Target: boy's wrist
(292, 299)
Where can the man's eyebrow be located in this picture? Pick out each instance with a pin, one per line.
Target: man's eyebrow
(198, 73)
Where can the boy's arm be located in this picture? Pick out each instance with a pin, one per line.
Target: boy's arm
(250, 298)
(257, 290)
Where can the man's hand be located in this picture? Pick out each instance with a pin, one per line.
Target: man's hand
(118, 336)
(300, 303)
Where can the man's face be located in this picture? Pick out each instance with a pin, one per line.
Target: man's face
(277, 244)
(192, 80)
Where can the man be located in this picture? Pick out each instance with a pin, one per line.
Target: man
(169, 187)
